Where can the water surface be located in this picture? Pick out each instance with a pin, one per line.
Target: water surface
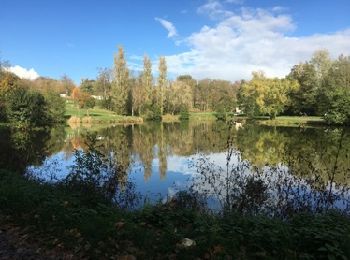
(160, 158)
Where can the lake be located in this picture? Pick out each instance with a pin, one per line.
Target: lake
(161, 159)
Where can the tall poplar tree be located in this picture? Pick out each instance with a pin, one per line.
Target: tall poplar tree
(120, 84)
(147, 80)
(162, 81)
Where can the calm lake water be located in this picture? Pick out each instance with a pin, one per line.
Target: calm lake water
(162, 158)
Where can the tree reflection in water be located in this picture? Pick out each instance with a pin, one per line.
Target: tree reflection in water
(310, 162)
(295, 184)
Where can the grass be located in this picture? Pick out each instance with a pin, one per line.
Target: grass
(99, 115)
(202, 116)
(168, 118)
(91, 227)
(291, 121)
(194, 116)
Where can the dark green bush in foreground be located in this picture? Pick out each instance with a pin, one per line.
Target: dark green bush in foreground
(91, 226)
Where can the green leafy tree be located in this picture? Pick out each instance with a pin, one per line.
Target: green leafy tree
(26, 108)
(103, 86)
(321, 62)
(88, 86)
(120, 84)
(162, 83)
(266, 96)
(335, 92)
(139, 95)
(147, 81)
(178, 96)
(56, 107)
(190, 82)
(304, 100)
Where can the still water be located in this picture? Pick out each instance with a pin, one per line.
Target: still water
(161, 158)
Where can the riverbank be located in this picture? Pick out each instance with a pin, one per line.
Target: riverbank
(57, 218)
(104, 116)
(193, 116)
(97, 115)
(299, 121)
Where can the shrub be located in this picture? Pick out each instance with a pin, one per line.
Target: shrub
(27, 108)
(339, 109)
(184, 114)
(153, 113)
(56, 107)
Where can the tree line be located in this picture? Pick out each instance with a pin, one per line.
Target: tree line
(26, 103)
(318, 87)
(127, 94)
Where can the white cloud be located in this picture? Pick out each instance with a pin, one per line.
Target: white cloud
(167, 25)
(23, 72)
(253, 39)
(214, 9)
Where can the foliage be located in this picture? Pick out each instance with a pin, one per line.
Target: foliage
(184, 114)
(8, 83)
(88, 86)
(266, 96)
(90, 102)
(120, 84)
(339, 110)
(147, 81)
(46, 86)
(3, 114)
(83, 99)
(212, 95)
(162, 83)
(96, 173)
(335, 95)
(91, 227)
(304, 99)
(178, 97)
(26, 108)
(103, 87)
(154, 113)
(56, 107)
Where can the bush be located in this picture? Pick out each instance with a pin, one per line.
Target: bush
(153, 113)
(64, 217)
(56, 107)
(27, 108)
(184, 114)
(339, 109)
(90, 103)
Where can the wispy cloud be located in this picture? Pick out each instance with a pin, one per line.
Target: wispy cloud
(169, 26)
(23, 72)
(214, 9)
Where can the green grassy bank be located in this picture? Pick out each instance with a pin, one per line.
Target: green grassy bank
(98, 115)
(62, 219)
(291, 121)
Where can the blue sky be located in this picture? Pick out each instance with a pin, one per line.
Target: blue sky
(206, 38)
